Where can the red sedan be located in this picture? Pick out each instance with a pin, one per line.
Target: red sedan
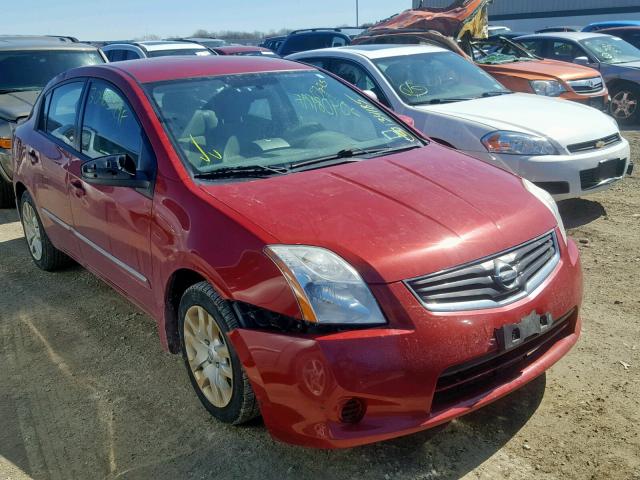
(312, 258)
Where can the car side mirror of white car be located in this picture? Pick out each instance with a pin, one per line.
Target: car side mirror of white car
(584, 61)
(371, 94)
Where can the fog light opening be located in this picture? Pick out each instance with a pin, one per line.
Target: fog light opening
(352, 410)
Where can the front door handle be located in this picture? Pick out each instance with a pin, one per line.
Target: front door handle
(33, 156)
(78, 188)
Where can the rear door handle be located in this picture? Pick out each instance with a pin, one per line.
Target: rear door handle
(33, 156)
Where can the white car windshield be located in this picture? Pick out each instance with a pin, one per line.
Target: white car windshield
(275, 119)
(439, 77)
(611, 50)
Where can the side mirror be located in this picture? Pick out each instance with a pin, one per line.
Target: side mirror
(371, 94)
(584, 61)
(114, 171)
(408, 120)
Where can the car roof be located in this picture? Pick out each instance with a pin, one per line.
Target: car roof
(376, 51)
(164, 69)
(25, 42)
(627, 28)
(575, 36)
(240, 49)
(157, 45)
(204, 39)
(615, 23)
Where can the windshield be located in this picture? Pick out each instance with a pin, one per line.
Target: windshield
(270, 119)
(499, 51)
(179, 51)
(32, 70)
(437, 77)
(611, 50)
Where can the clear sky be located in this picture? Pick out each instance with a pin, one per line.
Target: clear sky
(125, 19)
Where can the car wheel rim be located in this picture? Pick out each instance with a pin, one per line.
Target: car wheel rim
(624, 105)
(208, 356)
(32, 230)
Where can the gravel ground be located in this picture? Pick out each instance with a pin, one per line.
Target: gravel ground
(86, 392)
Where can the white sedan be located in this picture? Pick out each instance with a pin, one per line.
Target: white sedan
(567, 148)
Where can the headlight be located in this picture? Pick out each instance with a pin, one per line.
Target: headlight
(515, 143)
(328, 289)
(549, 202)
(548, 88)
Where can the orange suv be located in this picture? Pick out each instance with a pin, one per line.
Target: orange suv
(511, 64)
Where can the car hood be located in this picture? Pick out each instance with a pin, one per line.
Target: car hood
(17, 104)
(561, 120)
(395, 217)
(633, 65)
(543, 69)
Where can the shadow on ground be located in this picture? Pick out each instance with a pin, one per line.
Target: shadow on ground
(8, 215)
(578, 212)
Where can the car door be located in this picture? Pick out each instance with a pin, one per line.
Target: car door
(50, 155)
(113, 222)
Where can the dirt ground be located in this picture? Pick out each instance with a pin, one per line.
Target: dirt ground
(86, 392)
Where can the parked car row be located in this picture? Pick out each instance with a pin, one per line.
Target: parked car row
(617, 61)
(281, 219)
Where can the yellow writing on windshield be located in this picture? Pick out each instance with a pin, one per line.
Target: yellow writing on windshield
(204, 156)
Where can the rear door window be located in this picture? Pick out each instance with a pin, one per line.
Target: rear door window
(338, 42)
(115, 55)
(61, 109)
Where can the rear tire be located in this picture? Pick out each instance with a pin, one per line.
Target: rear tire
(205, 320)
(625, 103)
(44, 254)
(7, 199)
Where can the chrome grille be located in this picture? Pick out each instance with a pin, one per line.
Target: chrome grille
(587, 85)
(595, 144)
(491, 282)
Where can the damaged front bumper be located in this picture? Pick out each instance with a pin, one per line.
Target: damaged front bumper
(423, 370)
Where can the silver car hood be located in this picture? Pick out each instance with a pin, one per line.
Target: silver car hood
(564, 121)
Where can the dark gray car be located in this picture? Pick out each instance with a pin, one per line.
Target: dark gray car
(617, 61)
(26, 66)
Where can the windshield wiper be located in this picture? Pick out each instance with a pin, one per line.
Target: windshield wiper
(437, 101)
(496, 93)
(247, 171)
(349, 155)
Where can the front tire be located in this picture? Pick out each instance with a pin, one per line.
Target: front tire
(625, 103)
(205, 320)
(44, 254)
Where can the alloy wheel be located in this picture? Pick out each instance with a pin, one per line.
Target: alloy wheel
(32, 230)
(624, 105)
(208, 355)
